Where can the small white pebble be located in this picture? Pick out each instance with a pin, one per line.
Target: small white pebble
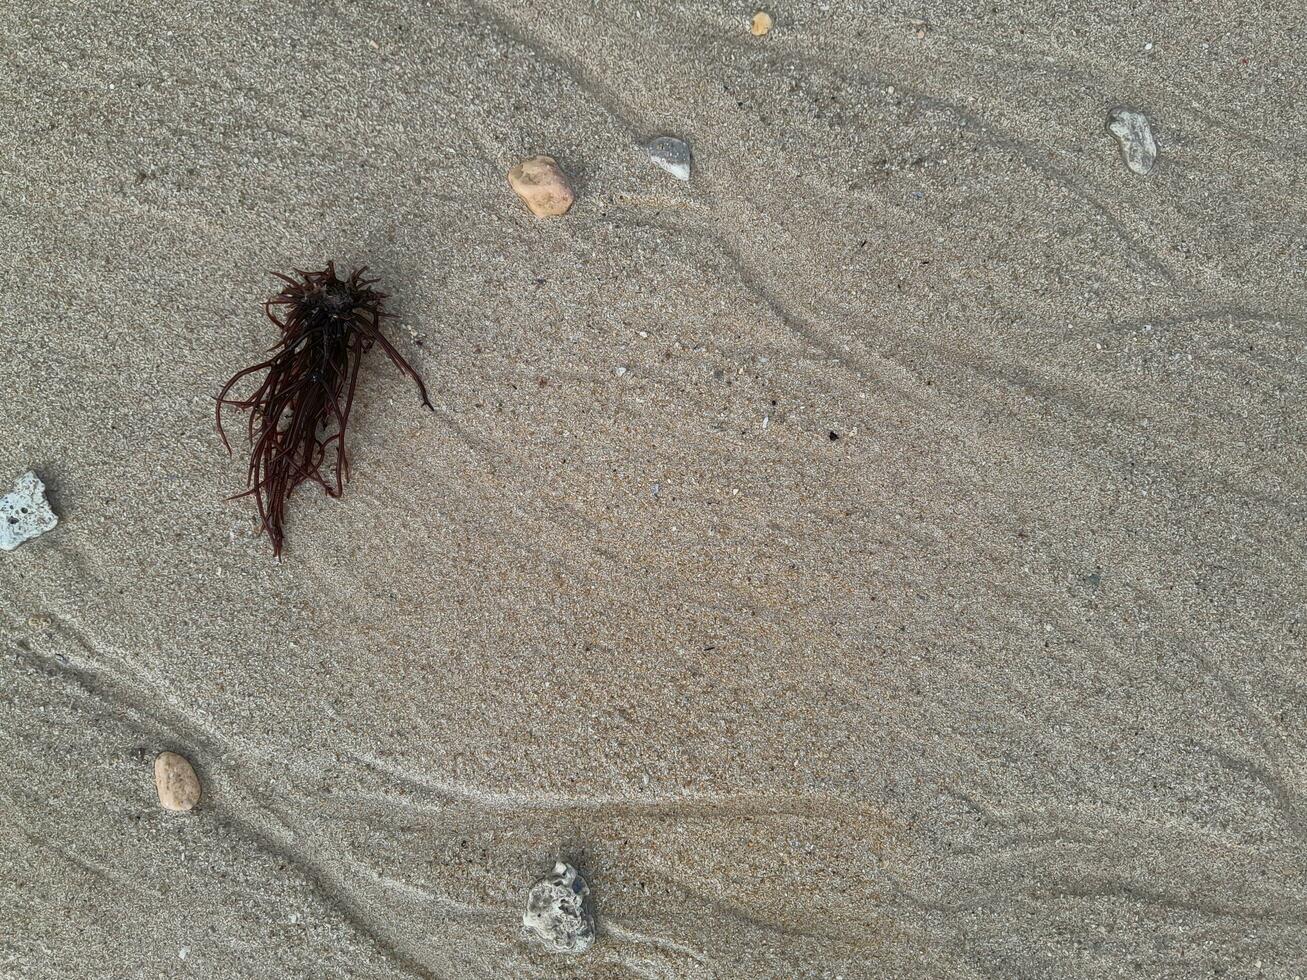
(1134, 135)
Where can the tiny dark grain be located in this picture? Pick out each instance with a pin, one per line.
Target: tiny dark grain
(299, 413)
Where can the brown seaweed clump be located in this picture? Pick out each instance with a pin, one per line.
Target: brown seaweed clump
(300, 412)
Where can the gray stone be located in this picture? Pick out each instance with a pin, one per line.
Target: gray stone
(672, 155)
(24, 513)
(557, 915)
(1135, 136)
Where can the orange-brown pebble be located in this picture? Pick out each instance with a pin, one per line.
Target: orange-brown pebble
(541, 183)
(760, 24)
(175, 779)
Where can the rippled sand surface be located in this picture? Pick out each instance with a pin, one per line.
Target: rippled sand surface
(880, 556)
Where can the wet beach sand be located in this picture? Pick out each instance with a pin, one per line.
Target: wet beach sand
(880, 556)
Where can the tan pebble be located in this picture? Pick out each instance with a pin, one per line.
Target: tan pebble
(541, 183)
(761, 23)
(178, 786)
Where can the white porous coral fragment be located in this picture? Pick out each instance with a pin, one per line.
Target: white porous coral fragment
(24, 513)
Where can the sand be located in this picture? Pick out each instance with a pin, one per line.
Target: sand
(880, 556)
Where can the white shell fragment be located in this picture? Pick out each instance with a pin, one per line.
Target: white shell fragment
(1133, 132)
(24, 514)
(557, 916)
(672, 155)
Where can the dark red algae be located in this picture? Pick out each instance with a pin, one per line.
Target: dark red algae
(299, 414)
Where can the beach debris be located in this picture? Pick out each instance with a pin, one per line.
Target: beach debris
(760, 24)
(175, 779)
(1135, 137)
(557, 915)
(24, 513)
(300, 410)
(672, 155)
(540, 182)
